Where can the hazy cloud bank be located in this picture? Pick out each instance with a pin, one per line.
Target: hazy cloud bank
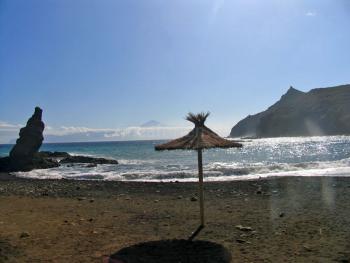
(9, 133)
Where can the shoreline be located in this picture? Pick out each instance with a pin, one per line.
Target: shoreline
(293, 219)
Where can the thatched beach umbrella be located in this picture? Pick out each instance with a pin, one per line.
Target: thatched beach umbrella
(201, 137)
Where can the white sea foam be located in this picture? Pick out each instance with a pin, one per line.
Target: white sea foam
(135, 162)
(311, 156)
(213, 172)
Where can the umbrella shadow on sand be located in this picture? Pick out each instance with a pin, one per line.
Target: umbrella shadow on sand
(175, 250)
(172, 251)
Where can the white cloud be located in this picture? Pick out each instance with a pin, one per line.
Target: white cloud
(68, 130)
(310, 13)
(9, 132)
(148, 132)
(8, 126)
(65, 133)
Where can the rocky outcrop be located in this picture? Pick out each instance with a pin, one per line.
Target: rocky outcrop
(64, 157)
(24, 155)
(324, 111)
(29, 141)
(47, 154)
(88, 159)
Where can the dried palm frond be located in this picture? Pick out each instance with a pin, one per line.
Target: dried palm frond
(195, 140)
(197, 119)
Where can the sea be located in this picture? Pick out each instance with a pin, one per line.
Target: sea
(259, 158)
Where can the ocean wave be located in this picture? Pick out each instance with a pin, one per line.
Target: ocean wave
(261, 168)
(216, 171)
(135, 161)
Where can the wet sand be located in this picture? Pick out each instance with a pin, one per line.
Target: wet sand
(294, 219)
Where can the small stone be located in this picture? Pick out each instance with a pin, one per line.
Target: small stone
(92, 200)
(194, 199)
(282, 214)
(90, 220)
(244, 228)
(259, 192)
(179, 197)
(241, 241)
(307, 248)
(156, 201)
(24, 235)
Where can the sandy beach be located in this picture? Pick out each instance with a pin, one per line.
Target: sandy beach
(294, 219)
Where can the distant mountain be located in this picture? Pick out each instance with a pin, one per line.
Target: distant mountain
(151, 123)
(323, 111)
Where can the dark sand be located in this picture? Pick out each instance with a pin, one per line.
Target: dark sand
(292, 219)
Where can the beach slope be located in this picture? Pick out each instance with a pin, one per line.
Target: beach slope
(295, 219)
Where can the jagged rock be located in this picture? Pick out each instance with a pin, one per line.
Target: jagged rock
(24, 155)
(324, 111)
(47, 154)
(29, 141)
(87, 159)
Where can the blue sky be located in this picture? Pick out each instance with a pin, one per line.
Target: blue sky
(115, 64)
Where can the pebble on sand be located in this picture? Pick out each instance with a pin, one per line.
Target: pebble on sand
(244, 228)
(24, 235)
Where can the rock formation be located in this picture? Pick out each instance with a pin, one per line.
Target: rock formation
(87, 159)
(324, 111)
(24, 155)
(29, 141)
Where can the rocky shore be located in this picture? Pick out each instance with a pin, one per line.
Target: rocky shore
(296, 219)
(25, 155)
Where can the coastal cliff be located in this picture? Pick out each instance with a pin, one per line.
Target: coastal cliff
(322, 111)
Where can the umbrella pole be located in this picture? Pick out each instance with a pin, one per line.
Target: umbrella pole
(201, 196)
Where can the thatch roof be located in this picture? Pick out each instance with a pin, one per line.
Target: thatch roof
(201, 137)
